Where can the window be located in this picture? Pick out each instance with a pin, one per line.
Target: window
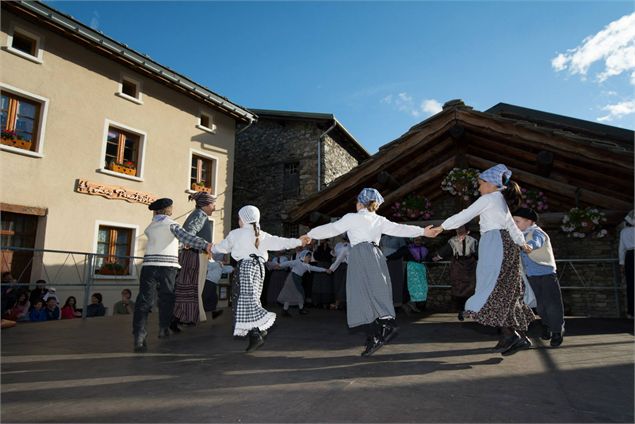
(206, 123)
(122, 151)
(205, 120)
(113, 244)
(202, 174)
(19, 119)
(130, 89)
(25, 44)
(291, 179)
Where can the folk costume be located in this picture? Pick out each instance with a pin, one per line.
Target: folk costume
(248, 246)
(293, 293)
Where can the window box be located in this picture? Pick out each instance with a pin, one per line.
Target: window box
(122, 169)
(112, 269)
(201, 187)
(20, 144)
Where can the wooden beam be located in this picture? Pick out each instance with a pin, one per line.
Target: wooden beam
(25, 210)
(563, 189)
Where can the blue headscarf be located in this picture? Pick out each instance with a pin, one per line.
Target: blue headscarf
(368, 195)
(498, 175)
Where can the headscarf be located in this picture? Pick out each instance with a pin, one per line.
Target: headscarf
(304, 254)
(249, 215)
(368, 195)
(498, 175)
(629, 218)
(202, 199)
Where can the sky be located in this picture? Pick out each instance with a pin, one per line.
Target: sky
(382, 67)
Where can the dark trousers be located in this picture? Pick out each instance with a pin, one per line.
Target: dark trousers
(210, 296)
(628, 273)
(153, 280)
(549, 301)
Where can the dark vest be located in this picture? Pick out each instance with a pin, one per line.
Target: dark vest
(197, 223)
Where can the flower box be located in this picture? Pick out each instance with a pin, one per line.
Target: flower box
(579, 223)
(20, 144)
(197, 187)
(123, 169)
(8, 141)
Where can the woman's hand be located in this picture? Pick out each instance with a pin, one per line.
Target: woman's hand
(305, 240)
(432, 231)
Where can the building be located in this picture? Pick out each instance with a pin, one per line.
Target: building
(93, 131)
(286, 157)
(575, 163)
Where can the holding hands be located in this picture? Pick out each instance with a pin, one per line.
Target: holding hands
(432, 231)
(305, 240)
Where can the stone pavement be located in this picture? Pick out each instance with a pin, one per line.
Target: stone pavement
(436, 370)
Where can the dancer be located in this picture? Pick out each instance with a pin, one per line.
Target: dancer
(539, 266)
(625, 253)
(293, 293)
(462, 250)
(339, 269)
(498, 299)
(248, 245)
(369, 291)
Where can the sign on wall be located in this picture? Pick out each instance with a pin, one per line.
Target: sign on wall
(113, 192)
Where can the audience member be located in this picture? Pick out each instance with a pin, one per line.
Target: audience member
(96, 308)
(125, 306)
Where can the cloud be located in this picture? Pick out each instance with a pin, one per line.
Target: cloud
(94, 21)
(404, 102)
(618, 110)
(614, 45)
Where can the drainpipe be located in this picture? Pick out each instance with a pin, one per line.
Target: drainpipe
(319, 154)
(251, 122)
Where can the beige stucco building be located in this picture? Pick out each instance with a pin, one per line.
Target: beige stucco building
(76, 105)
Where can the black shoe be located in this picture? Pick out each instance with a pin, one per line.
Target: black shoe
(546, 334)
(521, 343)
(388, 330)
(216, 314)
(164, 333)
(303, 311)
(460, 316)
(263, 334)
(286, 313)
(174, 326)
(373, 344)
(140, 345)
(556, 339)
(505, 343)
(255, 340)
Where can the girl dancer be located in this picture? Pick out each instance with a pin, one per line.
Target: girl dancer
(248, 245)
(369, 291)
(498, 300)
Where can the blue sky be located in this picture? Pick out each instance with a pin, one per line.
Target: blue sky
(381, 67)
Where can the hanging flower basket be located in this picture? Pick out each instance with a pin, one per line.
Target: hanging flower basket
(413, 207)
(534, 199)
(200, 186)
(580, 223)
(461, 182)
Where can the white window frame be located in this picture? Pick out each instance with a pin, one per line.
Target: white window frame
(189, 170)
(44, 105)
(143, 140)
(38, 44)
(133, 249)
(120, 93)
(213, 224)
(212, 128)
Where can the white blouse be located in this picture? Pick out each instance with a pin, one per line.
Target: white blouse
(241, 244)
(494, 215)
(300, 267)
(364, 226)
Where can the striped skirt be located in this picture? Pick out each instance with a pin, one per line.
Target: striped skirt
(246, 291)
(190, 282)
(498, 299)
(368, 286)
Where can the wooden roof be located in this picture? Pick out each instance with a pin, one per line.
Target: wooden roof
(595, 167)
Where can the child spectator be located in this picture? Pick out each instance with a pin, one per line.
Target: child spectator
(20, 310)
(37, 312)
(125, 306)
(539, 266)
(52, 310)
(69, 310)
(39, 291)
(96, 308)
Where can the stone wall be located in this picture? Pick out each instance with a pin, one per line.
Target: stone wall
(336, 160)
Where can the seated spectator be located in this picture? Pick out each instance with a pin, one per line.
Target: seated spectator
(20, 310)
(37, 312)
(96, 308)
(39, 291)
(125, 306)
(52, 310)
(9, 291)
(50, 293)
(69, 310)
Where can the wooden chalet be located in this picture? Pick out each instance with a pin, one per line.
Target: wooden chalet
(574, 162)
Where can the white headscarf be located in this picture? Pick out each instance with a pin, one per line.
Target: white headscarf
(249, 215)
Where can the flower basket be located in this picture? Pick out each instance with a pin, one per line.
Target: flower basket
(580, 223)
(8, 141)
(534, 199)
(23, 144)
(413, 207)
(201, 187)
(122, 169)
(461, 182)
(112, 269)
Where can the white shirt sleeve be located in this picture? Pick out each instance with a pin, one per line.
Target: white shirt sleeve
(225, 246)
(275, 243)
(517, 236)
(287, 264)
(331, 230)
(400, 230)
(466, 215)
(313, 268)
(340, 258)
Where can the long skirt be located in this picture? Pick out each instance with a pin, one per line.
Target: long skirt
(339, 282)
(246, 291)
(417, 281)
(463, 276)
(190, 281)
(368, 286)
(322, 286)
(276, 283)
(292, 292)
(498, 299)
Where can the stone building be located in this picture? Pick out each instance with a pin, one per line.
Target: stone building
(285, 157)
(574, 163)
